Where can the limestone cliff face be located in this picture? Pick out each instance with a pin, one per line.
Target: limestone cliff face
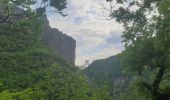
(63, 44)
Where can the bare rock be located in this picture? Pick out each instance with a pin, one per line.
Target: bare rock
(63, 44)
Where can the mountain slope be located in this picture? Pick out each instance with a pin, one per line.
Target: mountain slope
(104, 69)
(108, 72)
(29, 70)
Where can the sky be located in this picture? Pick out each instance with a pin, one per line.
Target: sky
(95, 38)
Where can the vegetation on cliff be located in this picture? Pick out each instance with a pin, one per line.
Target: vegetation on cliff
(29, 70)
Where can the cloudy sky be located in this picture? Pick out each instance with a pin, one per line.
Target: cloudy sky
(96, 38)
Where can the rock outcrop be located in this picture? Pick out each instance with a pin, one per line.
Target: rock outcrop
(63, 44)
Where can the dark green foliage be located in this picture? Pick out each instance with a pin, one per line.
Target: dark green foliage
(58, 4)
(137, 91)
(31, 71)
(101, 91)
(146, 44)
(24, 9)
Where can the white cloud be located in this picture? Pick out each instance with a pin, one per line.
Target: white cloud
(93, 36)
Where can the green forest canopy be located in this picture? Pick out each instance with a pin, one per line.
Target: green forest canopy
(30, 71)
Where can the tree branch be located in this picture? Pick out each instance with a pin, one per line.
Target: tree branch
(157, 80)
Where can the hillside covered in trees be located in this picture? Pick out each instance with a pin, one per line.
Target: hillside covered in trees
(104, 69)
(32, 69)
(29, 69)
(108, 72)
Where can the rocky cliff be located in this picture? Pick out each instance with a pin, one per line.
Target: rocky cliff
(63, 44)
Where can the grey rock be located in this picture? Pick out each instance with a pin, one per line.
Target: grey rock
(63, 44)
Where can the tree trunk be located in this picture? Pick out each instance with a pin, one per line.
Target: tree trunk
(156, 82)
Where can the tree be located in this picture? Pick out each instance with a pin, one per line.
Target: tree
(145, 38)
(10, 9)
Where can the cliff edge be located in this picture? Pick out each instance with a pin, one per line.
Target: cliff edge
(63, 44)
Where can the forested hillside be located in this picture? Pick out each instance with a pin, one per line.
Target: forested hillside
(32, 69)
(108, 73)
(29, 69)
(104, 69)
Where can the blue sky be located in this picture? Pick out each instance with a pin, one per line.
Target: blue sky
(96, 39)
